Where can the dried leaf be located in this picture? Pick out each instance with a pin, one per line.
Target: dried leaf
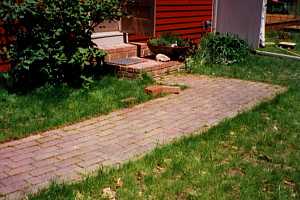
(159, 169)
(119, 183)
(225, 161)
(140, 193)
(234, 147)
(108, 193)
(236, 172)
(289, 183)
(79, 196)
(264, 157)
(140, 175)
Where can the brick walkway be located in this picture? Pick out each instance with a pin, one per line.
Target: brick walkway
(63, 154)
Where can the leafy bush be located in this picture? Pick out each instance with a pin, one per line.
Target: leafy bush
(222, 49)
(169, 39)
(53, 39)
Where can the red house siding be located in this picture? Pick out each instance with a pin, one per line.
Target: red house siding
(4, 39)
(183, 17)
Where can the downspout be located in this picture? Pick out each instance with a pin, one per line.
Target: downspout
(262, 35)
(154, 20)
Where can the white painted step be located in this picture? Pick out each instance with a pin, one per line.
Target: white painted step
(108, 38)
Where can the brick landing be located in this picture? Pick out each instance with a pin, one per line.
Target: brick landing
(29, 164)
(152, 67)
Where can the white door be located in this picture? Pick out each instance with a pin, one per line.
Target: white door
(240, 17)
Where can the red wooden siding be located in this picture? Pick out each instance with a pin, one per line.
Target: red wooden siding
(183, 17)
(4, 39)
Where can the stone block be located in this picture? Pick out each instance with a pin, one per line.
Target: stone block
(162, 89)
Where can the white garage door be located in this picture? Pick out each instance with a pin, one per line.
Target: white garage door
(241, 17)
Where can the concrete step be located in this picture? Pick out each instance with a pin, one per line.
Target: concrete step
(108, 38)
(149, 66)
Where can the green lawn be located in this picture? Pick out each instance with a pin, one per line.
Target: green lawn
(275, 38)
(253, 156)
(49, 107)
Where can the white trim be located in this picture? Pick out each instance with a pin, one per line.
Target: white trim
(106, 34)
(215, 14)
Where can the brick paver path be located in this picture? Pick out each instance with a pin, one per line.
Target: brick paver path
(63, 154)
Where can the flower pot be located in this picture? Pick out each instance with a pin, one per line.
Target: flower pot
(172, 52)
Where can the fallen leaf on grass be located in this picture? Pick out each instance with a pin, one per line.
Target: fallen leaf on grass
(203, 172)
(264, 157)
(167, 161)
(235, 172)
(108, 193)
(234, 147)
(119, 183)
(249, 157)
(140, 175)
(140, 194)
(225, 161)
(159, 169)
(266, 116)
(80, 196)
(224, 144)
(289, 183)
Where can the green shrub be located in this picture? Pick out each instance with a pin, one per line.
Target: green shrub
(53, 39)
(168, 39)
(222, 49)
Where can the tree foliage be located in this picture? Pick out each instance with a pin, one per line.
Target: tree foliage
(53, 41)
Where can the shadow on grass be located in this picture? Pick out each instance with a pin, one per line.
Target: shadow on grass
(52, 106)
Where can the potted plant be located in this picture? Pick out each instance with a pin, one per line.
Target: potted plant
(170, 45)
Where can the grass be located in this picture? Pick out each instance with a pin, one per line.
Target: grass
(276, 37)
(49, 107)
(253, 156)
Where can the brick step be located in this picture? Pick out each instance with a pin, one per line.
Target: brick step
(119, 51)
(149, 66)
(142, 49)
(125, 50)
